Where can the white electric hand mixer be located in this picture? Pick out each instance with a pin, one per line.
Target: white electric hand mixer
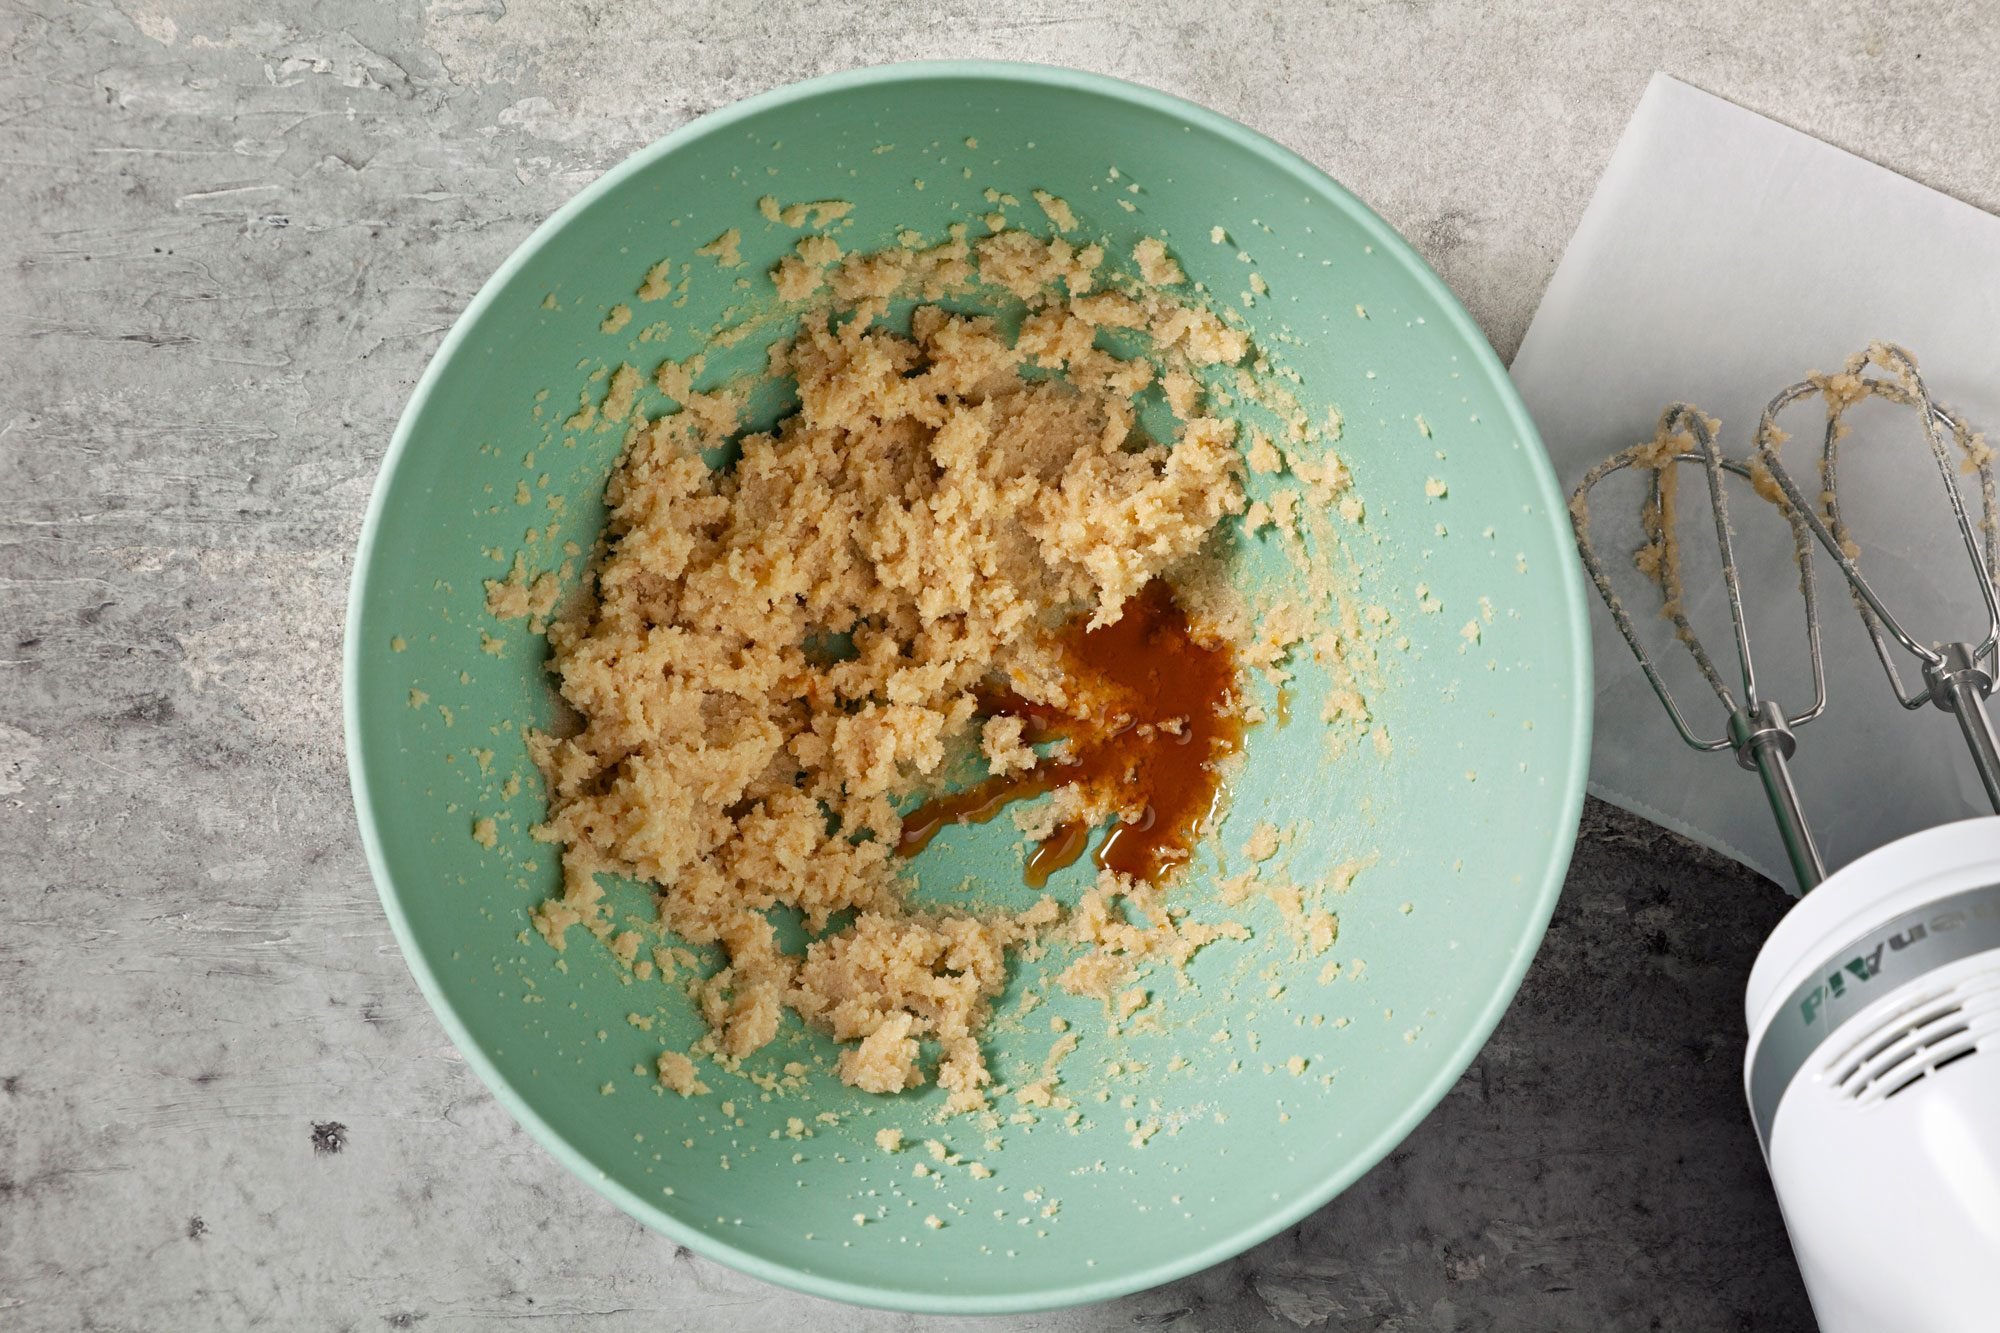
(1868, 1001)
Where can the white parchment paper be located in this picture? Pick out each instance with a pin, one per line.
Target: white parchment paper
(1722, 258)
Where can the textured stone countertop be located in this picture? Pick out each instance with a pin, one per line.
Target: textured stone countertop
(232, 235)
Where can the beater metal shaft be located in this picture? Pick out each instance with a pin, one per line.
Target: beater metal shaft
(1960, 689)
(1765, 744)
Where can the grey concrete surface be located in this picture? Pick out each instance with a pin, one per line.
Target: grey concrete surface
(232, 234)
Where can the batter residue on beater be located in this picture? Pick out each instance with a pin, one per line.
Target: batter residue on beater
(1155, 715)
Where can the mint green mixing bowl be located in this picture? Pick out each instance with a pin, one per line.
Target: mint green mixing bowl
(1470, 816)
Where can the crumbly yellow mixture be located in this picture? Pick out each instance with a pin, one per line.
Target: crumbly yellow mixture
(723, 249)
(821, 212)
(939, 510)
(1058, 210)
(1155, 264)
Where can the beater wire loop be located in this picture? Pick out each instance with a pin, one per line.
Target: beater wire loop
(1686, 437)
(1944, 431)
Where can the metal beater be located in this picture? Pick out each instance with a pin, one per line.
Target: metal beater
(1759, 730)
(1869, 1000)
(1958, 676)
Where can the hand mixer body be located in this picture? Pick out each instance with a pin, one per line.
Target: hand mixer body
(1873, 1075)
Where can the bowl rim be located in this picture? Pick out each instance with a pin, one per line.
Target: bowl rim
(1533, 926)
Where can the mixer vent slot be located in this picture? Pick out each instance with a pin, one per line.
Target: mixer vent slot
(1918, 1040)
(1920, 1061)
